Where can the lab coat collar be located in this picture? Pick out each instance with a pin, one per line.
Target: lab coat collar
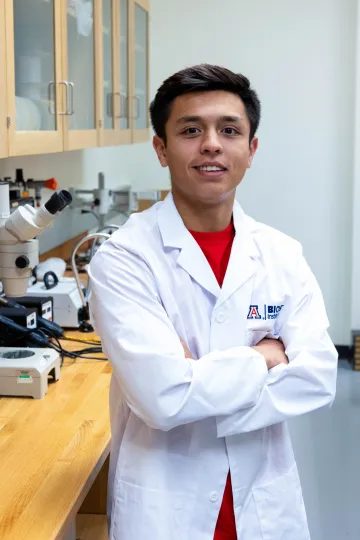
(191, 258)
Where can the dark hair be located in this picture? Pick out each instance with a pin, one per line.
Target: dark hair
(203, 78)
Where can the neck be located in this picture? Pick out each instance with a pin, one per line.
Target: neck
(203, 217)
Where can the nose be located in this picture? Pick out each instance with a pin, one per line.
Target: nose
(211, 143)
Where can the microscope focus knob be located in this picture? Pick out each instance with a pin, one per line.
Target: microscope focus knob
(22, 262)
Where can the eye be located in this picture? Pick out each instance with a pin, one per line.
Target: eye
(191, 131)
(231, 131)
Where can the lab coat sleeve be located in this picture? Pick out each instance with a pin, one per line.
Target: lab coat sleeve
(160, 385)
(308, 382)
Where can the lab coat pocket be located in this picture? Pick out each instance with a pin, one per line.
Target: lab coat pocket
(281, 509)
(142, 513)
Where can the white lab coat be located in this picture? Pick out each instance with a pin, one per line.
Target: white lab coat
(178, 424)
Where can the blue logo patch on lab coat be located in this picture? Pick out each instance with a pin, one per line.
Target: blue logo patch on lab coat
(270, 312)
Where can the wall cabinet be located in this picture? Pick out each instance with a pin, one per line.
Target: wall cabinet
(3, 129)
(76, 72)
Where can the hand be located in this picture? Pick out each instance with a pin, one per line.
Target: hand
(186, 350)
(273, 351)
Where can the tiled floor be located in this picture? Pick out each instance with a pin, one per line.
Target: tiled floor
(327, 448)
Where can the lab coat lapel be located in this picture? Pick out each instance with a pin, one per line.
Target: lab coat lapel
(242, 263)
(191, 258)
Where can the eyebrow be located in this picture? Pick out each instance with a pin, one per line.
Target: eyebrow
(189, 119)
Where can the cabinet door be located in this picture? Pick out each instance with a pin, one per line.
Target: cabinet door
(3, 131)
(124, 123)
(114, 58)
(33, 67)
(139, 102)
(108, 101)
(79, 71)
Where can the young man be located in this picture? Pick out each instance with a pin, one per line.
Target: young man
(216, 331)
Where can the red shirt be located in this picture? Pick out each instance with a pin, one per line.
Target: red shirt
(216, 247)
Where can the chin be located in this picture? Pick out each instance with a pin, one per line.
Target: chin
(210, 194)
(217, 192)
(212, 197)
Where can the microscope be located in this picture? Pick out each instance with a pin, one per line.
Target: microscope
(24, 371)
(19, 249)
(102, 200)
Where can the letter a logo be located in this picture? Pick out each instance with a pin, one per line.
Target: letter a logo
(254, 313)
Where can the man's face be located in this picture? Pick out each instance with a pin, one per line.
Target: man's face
(207, 148)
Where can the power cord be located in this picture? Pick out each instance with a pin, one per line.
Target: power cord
(78, 354)
(67, 337)
(51, 345)
(43, 338)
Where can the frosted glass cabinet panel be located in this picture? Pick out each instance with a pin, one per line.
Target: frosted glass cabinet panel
(33, 75)
(115, 57)
(4, 148)
(80, 65)
(124, 64)
(75, 72)
(79, 23)
(140, 68)
(34, 66)
(108, 72)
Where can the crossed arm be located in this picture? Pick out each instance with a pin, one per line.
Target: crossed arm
(244, 388)
(272, 350)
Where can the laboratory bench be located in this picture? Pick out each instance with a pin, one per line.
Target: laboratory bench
(54, 452)
(54, 455)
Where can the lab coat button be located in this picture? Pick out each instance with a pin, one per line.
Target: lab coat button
(220, 317)
(213, 496)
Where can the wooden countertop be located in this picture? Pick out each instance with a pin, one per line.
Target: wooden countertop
(52, 449)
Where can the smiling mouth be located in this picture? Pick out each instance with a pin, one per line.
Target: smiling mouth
(211, 172)
(210, 168)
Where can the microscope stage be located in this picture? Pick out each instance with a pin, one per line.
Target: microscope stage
(25, 371)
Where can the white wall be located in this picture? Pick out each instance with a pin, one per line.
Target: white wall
(355, 319)
(121, 165)
(300, 56)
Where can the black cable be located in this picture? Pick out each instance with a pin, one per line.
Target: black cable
(79, 341)
(41, 338)
(53, 336)
(88, 357)
(29, 333)
(61, 350)
(70, 354)
(81, 353)
(89, 350)
(14, 340)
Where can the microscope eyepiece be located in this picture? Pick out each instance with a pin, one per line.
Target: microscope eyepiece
(58, 201)
(65, 198)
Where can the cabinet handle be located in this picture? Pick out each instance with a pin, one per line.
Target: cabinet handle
(122, 98)
(51, 107)
(71, 111)
(124, 111)
(69, 98)
(110, 98)
(64, 83)
(117, 115)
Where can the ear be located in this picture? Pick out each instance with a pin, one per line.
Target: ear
(160, 149)
(253, 147)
